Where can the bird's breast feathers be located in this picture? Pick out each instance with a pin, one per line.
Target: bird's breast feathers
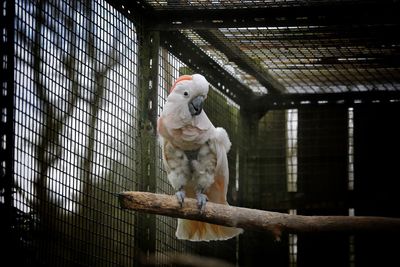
(186, 137)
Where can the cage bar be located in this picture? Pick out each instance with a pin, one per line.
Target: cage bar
(7, 104)
(9, 222)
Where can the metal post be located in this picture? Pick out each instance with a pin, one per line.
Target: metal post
(145, 224)
(6, 123)
(7, 99)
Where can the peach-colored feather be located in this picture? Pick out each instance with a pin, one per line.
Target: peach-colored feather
(181, 78)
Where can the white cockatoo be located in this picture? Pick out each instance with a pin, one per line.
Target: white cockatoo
(195, 155)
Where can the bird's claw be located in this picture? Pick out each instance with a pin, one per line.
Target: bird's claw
(180, 195)
(201, 201)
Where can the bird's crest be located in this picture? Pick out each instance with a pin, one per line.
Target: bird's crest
(182, 78)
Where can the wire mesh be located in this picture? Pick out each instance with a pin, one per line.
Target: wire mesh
(311, 59)
(76, 133)
(303, 54)
(291, 148)
(222, 4)
(225, 62)
(75, 116)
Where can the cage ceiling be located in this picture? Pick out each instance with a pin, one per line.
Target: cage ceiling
(281, 51)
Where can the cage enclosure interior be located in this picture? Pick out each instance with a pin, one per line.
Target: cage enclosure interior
(308, 92)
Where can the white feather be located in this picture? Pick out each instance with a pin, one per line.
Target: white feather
(221, 136)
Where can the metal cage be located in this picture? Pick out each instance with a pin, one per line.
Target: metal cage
(308, 92)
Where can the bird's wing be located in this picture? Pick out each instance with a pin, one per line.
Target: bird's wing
(220, 144)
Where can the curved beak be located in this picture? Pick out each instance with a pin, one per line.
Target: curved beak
(196, 105)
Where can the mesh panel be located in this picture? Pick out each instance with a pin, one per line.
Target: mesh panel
(75, 119)
(225, 62)
(319, 58)
(221, 4)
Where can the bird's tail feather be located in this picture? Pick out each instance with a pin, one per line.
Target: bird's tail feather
(201, 231)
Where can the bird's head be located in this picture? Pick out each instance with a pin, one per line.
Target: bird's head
(189, 91)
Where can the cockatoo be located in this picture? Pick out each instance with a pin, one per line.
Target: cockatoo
(195, 155)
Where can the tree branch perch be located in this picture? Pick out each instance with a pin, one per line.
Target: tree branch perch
(254, 219)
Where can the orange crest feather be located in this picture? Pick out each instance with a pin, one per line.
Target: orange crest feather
(182, 78)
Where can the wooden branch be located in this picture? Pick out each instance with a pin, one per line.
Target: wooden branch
(183, 259)
(254, 219)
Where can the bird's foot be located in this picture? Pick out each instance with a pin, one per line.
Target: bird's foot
(201, 201)
(180, 195)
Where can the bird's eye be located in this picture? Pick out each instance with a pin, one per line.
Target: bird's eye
(186, 93)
